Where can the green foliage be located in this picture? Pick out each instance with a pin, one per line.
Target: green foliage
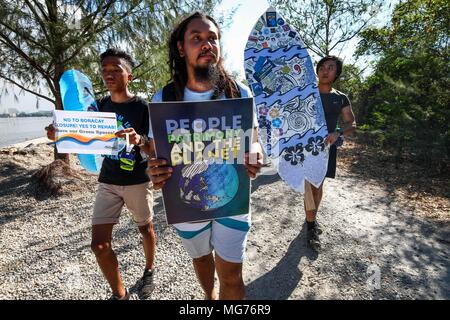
(407, 96)
(41, 39)
(327, 25)
(351, 83)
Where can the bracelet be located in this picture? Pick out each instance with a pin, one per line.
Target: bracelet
(143, 141)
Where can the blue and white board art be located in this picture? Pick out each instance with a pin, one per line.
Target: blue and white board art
(291, 120)
(77, 95)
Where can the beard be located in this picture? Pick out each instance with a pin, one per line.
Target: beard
(208, 73)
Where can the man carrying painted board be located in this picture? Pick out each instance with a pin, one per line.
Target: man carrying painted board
(335, 104)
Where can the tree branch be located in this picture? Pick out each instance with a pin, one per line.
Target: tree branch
(143, 72)
(342, 40)
(91, 17)
(78, 50)
(25, 36)
(26, 89)
(316, 30)
(33, 63)
(38, 18)
(39, 6)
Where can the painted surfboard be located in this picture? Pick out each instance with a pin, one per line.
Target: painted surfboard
(77, 95)
(292, 124)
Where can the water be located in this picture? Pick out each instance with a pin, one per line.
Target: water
(15, 130)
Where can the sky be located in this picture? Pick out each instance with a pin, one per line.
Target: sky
(234, 38)
(235, 35)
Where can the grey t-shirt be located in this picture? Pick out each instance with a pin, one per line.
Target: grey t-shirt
(333, 103)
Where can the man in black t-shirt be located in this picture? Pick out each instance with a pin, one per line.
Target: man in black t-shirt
(123, 178)
(335, 104)
(132, 114)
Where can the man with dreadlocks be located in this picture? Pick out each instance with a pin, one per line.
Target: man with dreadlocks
(198, 74)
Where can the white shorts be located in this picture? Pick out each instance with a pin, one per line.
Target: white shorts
(226, 236)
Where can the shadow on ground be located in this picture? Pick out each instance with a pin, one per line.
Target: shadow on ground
(378, 164)
(263, 180)
(14, 183)
(420, 258)
(283, 279)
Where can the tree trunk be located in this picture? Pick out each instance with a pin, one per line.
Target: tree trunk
(59, 106)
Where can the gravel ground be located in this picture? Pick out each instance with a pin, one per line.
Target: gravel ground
(373, 248)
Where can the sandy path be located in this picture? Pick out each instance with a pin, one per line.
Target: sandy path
(44, 244)
(366, 233)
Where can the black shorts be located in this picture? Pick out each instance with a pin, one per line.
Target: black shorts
(331, 171)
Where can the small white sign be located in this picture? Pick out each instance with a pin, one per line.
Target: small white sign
(85, 132)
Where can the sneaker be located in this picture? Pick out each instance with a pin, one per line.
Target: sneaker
(125, 297)
(317, 225)
(312, 238)
(147, 284)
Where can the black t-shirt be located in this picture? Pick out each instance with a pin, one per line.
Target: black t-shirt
(131, 114)
(333, 103)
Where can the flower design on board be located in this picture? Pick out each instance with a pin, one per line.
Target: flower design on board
(274, 113)
(277, 122)
(295, 154)
(278, 132)
(263, 110)
(264, 123)
(315, 145)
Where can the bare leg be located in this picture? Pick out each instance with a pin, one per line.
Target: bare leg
(309, 202)
(149, 242)
(312, 199)
(106, 258)
(230, 278)
(204, 268)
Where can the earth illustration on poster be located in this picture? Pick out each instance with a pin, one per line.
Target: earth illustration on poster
(208, 187)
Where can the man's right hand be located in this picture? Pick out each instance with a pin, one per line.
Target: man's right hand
(51, 132)
(159, 172)
(331, 138)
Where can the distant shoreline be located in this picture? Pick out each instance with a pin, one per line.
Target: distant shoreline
(29, 115)
(22, 129)
(20, 145)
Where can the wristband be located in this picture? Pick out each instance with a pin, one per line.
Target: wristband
(143, 141)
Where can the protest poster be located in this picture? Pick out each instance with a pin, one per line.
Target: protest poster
(85, 132)
(205, 142)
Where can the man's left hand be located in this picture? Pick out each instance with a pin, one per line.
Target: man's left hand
(253, 163)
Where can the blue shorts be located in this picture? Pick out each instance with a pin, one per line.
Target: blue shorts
(226, 236)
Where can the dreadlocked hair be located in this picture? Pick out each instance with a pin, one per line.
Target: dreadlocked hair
(177, 64)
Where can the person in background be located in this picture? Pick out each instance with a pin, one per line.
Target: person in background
(335, 104)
